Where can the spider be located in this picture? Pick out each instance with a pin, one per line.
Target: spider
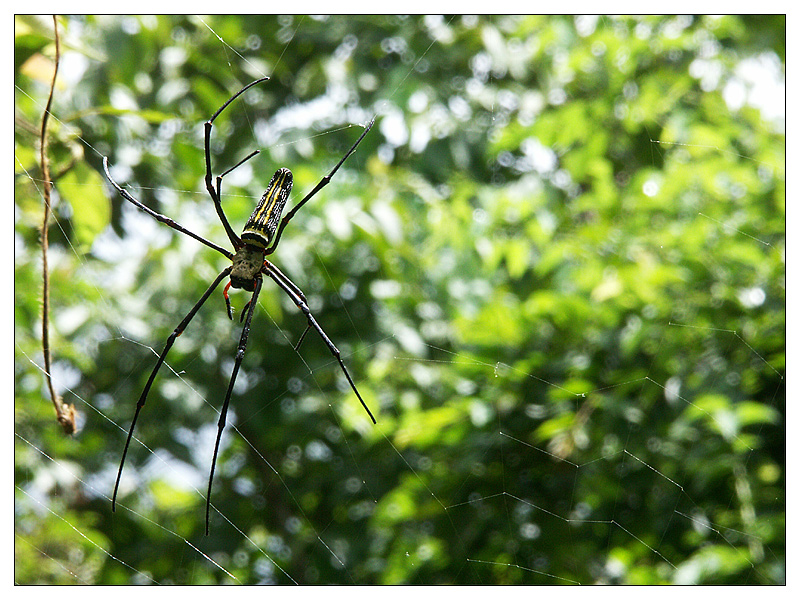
(260, 238)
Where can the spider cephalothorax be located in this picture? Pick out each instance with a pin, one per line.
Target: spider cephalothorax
(247, 264)
(259, 238)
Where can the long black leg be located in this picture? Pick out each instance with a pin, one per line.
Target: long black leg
(323, 182)
(160, 217)
(289, 288)
(224, 412)
(217, 198)
(235, 96)
(215, 193)
(143, 398)
(277, 272)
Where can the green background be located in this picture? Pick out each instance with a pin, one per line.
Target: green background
(555, 268)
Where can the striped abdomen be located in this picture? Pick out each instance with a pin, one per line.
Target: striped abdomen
(260, 227)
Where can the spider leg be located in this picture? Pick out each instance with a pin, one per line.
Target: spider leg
(228, 300)
(235, 96)
(323, 182)
(216, 196)
(289, 288)
(302, 337)
(209, 179)
(244, 310)
(159, 217)
(224, 412)
(143, 398)
(297, 291)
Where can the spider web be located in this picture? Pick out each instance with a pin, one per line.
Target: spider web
(524, 516)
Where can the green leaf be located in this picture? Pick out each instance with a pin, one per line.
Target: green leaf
(83, 188)
(755, 413)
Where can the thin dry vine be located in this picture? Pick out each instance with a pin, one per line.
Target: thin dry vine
(65, 413)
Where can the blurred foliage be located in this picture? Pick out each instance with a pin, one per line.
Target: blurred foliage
(555, 268)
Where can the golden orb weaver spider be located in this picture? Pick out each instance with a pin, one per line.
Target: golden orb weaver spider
(260, 238)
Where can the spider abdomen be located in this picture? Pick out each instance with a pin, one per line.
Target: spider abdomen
(260, 227)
